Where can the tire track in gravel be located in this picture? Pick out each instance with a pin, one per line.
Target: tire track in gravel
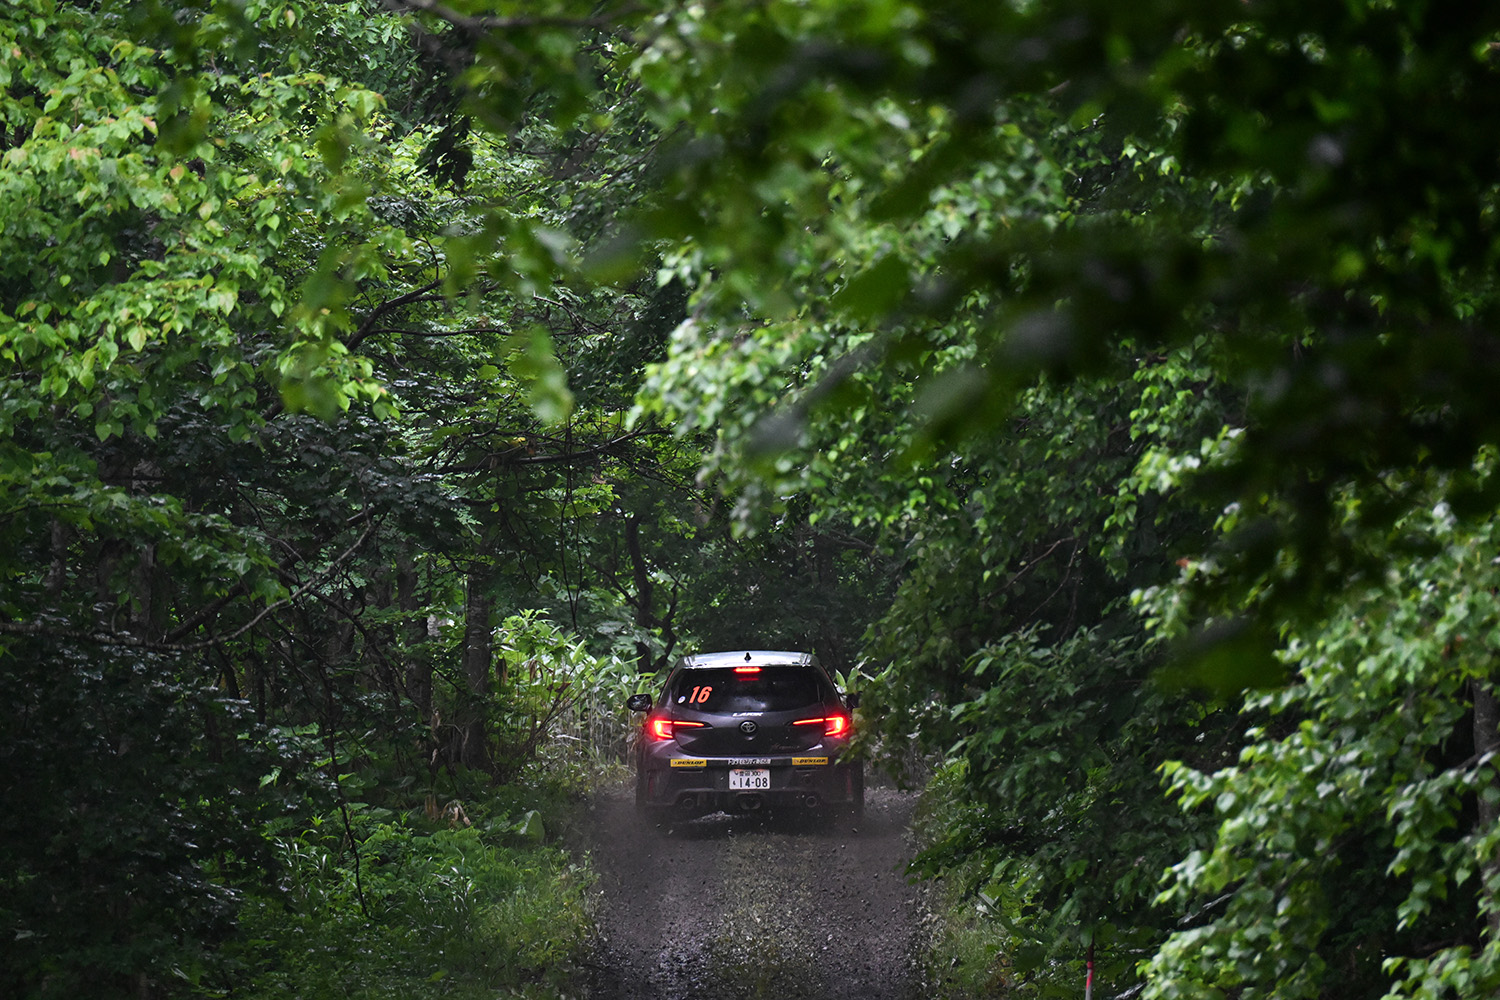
(734, 908)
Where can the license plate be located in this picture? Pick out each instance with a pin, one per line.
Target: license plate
(755, 779)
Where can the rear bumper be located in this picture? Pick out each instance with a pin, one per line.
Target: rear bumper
(699, 787)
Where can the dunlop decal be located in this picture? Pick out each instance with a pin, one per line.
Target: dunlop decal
(808, 761)
(689, 763)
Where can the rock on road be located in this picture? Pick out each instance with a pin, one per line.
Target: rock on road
(727, 908)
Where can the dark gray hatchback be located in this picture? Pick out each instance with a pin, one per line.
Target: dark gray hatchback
(744, 731)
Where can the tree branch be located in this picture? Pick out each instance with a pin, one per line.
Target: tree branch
(424, 293)
(135, 642)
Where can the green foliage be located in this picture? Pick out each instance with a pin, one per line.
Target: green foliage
(1351, 814)
(469, 911)
(331, 336)
(557, 706)
(991, 932)
(128, 790)
(970, 949)
(251, 457)
(1013, 654)
(895, 221)
(1050, 796)
(1255, 184)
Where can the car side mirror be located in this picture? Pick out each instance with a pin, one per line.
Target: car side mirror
(852, 700)
(638, 702)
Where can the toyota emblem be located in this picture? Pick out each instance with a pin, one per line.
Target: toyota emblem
(748, 727)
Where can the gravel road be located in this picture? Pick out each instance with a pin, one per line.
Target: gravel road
(728, 908)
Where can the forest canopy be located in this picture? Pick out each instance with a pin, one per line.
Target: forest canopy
(1104, 390)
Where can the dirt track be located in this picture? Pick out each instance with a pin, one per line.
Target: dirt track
(742, 907)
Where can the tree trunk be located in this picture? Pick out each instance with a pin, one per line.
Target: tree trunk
(146, 618)
(830, 644)
(477, 662)
(644, 592)
(57, 570)
(1487, 741)
(418, 664)
(148, 610)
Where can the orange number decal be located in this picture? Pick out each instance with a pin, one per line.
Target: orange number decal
(700, 695)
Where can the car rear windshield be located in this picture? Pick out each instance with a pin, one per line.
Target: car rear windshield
(768, 689)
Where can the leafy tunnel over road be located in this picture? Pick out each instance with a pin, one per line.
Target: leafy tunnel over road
(726, 908)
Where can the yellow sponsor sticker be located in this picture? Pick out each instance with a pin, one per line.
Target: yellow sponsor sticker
(808, 761)
(689, 763)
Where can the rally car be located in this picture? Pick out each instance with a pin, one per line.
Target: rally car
(744, 731)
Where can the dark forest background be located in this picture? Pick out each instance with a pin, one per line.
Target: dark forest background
(1106, 393)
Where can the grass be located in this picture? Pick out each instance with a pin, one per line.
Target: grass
(461, 906)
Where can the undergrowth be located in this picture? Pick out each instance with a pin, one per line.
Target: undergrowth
(966, 948)
(469, 902)
(989, 930)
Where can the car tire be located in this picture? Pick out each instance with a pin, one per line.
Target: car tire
(648, 813)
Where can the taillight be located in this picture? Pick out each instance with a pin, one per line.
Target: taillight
(833, 725)
(663, 728)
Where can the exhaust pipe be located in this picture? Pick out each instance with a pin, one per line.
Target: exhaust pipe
(812, 801)
(686, 801)
(748, 803)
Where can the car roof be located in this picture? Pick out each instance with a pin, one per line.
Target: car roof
(750, 657)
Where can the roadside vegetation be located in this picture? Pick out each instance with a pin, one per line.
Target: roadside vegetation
(388, 389)
(399, 905)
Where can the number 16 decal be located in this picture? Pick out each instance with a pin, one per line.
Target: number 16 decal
(700, 695)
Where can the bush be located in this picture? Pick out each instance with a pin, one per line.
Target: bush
(414, 913)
